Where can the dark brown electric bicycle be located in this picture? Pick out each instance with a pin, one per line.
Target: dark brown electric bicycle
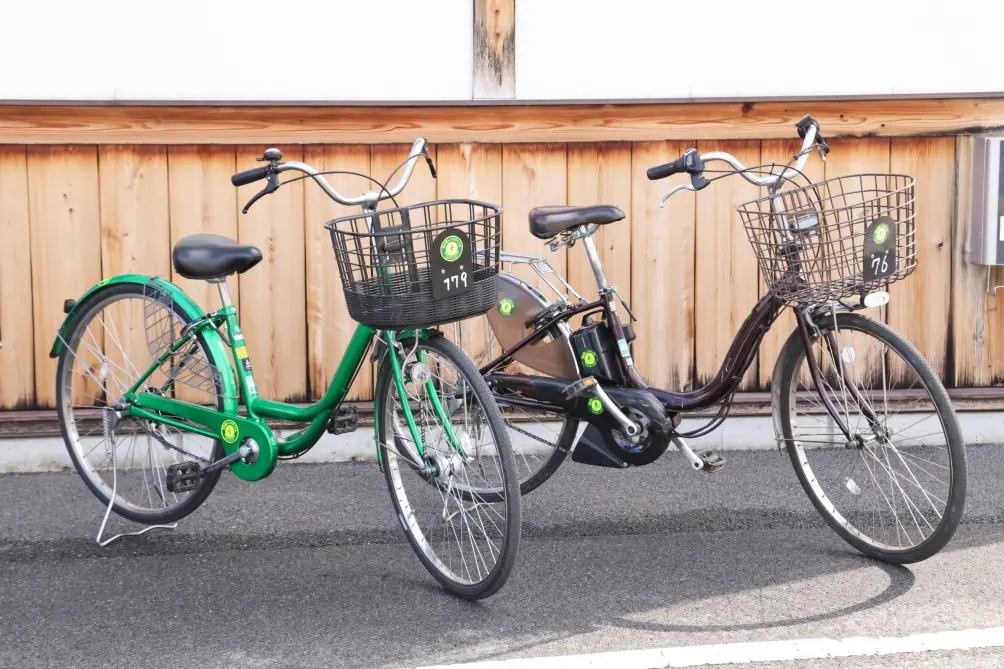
(868, 425)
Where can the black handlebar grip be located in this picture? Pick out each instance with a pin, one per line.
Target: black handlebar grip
(250, 176)
(690, 162)
(667, 170)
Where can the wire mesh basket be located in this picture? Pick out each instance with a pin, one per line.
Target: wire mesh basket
(838, 238)
(420, 265)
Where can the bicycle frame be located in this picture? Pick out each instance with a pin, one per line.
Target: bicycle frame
(231, 428)
(228, 426)
(737, 361)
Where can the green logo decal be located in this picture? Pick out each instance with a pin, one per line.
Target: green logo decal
(451, 248)
(230, 431)
(880, 233)
(589, 357)
(595, 405)
(506, 306)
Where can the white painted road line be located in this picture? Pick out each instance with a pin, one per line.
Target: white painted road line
(759, 651)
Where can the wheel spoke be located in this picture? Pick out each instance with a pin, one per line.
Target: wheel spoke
(448, 507)
(888, 502)
(101, 353)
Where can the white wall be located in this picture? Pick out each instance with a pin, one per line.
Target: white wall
(420, 50)
(682, 49)
(237, 50)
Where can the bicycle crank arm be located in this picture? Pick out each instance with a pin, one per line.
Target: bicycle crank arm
(705, 460)
(588, 386)
(186, 476)
(248, 448)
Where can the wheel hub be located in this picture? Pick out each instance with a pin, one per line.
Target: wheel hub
(445, 465)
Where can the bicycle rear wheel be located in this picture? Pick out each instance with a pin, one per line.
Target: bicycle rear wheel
(115, 337)
(896, 489)
(468, 543)
(541, 439)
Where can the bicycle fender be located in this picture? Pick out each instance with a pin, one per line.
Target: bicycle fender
(214, 342)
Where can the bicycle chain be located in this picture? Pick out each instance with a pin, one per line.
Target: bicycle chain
(166, 444)
(533, 436)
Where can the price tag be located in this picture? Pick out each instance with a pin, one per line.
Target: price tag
(879, 250)
(452, 264)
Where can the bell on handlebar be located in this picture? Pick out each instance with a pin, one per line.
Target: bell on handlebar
(271, 155)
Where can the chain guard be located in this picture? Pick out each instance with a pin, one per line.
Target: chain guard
(604, 447)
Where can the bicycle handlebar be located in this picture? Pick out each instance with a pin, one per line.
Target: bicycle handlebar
(693, 163)
(418, 149)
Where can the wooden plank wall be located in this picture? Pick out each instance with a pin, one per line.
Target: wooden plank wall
(71, 215)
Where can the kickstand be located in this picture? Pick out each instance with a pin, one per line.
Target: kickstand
(111, 502)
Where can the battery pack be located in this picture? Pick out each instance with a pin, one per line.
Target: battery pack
(596, 352)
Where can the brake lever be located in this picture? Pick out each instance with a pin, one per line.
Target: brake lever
(270, 187)
(673, 190)
(823, 148)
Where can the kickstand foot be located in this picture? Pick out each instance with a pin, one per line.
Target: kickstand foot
(105, 542)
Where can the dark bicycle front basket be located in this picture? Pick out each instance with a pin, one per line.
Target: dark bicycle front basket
(838, 238)
(420, 265)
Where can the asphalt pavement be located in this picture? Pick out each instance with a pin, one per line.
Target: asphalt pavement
(309, 568)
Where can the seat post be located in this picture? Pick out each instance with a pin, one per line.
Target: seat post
(594, 259)
(221, 284)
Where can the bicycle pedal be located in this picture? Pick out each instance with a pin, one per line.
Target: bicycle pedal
(183, 476)
(712, 461)
(579, 387)
(346, 419)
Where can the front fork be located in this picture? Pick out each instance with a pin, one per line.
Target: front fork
(806, 326)
(397, 355)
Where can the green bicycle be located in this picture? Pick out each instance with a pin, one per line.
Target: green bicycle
(149, 400)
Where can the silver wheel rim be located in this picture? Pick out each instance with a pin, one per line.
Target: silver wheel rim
(106, 357)
(535, 435)
(892, 490)
(461, 535)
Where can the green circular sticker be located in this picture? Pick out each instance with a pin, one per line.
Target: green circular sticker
(880, 233)
(595, 405)
(230, 431)
(506, 306)
(589, 357)
(451, 248)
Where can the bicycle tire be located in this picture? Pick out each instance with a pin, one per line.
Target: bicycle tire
(785, 382)
(533, 478)
(383, 397)
(81, 319)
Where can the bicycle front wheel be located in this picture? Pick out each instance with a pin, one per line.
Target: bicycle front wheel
(468, 543)
(895, 488)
